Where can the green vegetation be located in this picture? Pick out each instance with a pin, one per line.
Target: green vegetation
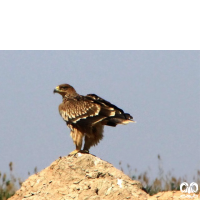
(164, 182)
(8, 185)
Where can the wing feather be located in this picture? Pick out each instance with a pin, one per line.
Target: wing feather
(106, 104)
(117, 116)
(90, 109)
(73, 110)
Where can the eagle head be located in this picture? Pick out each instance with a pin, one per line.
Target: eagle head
(65, 90)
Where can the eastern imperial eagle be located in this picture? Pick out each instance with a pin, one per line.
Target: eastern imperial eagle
(87, 115)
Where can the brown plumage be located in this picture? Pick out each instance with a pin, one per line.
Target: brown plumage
(87, 115)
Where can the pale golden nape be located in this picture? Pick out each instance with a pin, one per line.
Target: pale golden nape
(87, 115)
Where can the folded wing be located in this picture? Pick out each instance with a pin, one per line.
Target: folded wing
(92, 109)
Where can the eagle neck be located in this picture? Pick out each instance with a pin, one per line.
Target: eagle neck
(70, 96)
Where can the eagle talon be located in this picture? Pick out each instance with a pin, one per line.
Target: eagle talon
(84, 151)
(74, 152)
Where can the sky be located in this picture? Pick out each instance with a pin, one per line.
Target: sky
(160, 89)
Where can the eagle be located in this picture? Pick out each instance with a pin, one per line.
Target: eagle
(87, 115)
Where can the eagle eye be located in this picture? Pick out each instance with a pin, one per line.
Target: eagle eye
(64, 87)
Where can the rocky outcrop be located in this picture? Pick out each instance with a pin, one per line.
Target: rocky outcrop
(83, 177)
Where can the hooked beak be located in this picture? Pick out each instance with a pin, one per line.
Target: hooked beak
(56, 90)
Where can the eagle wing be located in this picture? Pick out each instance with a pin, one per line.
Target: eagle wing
(91, 109)
(82, 107)
(105, 103)
(119, 116)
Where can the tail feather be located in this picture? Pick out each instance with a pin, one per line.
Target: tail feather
(118, 119)
(127, 116)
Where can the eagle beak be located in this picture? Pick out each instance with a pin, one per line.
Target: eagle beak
(56, 90)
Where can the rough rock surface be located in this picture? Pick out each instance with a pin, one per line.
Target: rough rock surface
(84, 177)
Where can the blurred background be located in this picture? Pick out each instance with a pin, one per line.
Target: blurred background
(160, 89)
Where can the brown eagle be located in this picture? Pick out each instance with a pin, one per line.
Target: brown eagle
(87, 115)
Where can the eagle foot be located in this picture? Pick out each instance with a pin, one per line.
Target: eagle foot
(84, 151)
(73, 153)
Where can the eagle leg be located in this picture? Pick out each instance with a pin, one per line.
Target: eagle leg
(77, 137)
(88, 144)
(93, 138)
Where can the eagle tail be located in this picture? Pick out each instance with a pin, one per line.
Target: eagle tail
(118, 119)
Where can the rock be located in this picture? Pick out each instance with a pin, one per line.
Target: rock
(83, 177)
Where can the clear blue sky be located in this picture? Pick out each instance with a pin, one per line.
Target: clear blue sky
(160, 89)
